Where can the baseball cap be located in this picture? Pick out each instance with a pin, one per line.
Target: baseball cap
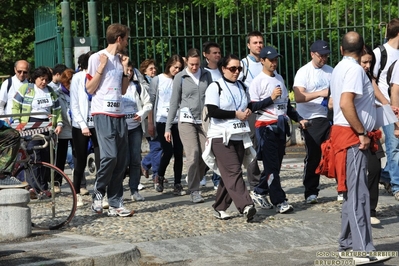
(269, 52)
(320, 47)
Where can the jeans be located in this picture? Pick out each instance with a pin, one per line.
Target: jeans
(392, 152)
(153, 158)
(134, 157)
(70, 156)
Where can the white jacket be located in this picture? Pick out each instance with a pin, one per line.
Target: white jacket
(79, 100)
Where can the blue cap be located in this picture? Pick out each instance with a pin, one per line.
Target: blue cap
(320, 47)
(269, 52)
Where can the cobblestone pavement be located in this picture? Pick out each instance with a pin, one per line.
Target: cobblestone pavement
(165, 216)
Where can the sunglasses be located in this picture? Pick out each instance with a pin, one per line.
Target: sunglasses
(233, 69)
(21, 71)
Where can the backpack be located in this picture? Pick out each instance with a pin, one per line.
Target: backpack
(389, 76)
(246, 66)
(8, 89)
(383, 62)
(205, 116)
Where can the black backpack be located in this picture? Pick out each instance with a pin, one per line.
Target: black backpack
(8, 89)
(389, 76)
(383, 62)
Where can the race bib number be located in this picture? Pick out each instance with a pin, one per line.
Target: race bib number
(238, 127)
(44, 102)
(90, 122)
(112, 103)
(186, 116)
(280, 109)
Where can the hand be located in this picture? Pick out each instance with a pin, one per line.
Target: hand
(137, 118)
(58, 130)
(20, 126)
(242, 115)
(303, 123)
(277, 92)
(395, 110)
(168, 136)
(103, 61)
(86, 132)
(151, 129)
(124, 61)
(364, 142)
(7, 121)
(323, 93)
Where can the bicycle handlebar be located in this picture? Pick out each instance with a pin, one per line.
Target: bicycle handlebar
(45, 138)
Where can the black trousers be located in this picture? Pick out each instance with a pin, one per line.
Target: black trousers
(314, 136)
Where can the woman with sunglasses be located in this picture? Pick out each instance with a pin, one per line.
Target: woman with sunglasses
(160, 92)
(227, 101)
(188, 94)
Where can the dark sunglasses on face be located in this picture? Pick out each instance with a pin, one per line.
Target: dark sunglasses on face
(21, 71)
(233, 69)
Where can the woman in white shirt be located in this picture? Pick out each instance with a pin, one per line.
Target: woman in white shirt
(136, 106)
(82, 125)
(227, 101)
(161, 91)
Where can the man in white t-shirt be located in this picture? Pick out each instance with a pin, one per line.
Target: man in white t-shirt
(107, 81)
(311, 86)
(390, 174)
(351, 136)
(252, 66)
(7, 91)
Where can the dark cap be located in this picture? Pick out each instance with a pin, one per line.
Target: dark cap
(320, 47)
(269, 52)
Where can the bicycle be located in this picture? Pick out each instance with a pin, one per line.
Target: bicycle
(49, 210)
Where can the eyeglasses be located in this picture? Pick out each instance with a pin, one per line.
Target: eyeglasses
(233, 69)
(21, 71)
(324, 56)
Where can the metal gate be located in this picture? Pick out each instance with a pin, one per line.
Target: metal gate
(48, 46)
(161, 30)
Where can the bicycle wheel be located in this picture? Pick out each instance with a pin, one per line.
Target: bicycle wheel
(48, 210)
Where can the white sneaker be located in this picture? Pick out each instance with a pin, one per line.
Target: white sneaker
(249, 212)
(284, 207)
(222, 215)
(121, 211)
(105, 202)
(196, 197)
(260, 200)
(374, 220)
(137, 197)
(79, 202)
(203, 181)
(340, 197)
(312, 199)
(141, 187)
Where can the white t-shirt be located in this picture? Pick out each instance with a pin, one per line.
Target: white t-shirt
(42, 102)
(216, 75)
(349, 76)
(232, 98)
(261, 88)
(395, 74)
(195, 76)
(130, 106)
(8, 97)
(165, 88)
(55, 86)
(250, 68)
(392, 55)
(312, 79)
(107, 99)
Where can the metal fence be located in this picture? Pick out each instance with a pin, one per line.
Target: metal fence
(161, 30)
(48, 50)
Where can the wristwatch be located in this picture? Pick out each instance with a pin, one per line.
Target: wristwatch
(364, 133)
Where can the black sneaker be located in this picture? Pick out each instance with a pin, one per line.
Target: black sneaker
(159, 183)
(178, 190)
(249, 212)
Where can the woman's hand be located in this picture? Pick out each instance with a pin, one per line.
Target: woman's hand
(86, 132)
(58, 130)
(168, 136)
(243, 115)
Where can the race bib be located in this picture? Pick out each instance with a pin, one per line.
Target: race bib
(112, 103)
(90, 122)
(237, 126)
(186, 116)
(44, 102)
(281, 109)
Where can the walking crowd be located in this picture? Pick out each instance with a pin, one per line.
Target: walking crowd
(223, 113)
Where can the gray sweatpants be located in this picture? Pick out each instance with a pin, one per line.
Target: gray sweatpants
(113, 144)
(355, 225)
